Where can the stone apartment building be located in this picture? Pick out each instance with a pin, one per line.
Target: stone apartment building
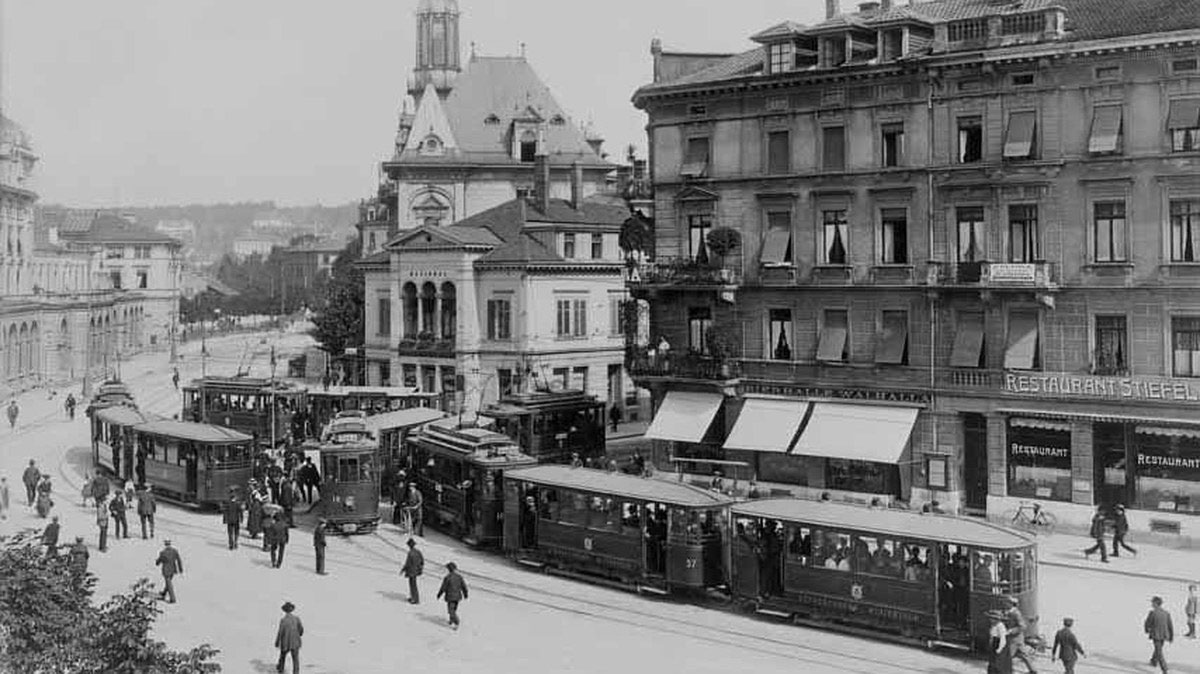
(968, 269)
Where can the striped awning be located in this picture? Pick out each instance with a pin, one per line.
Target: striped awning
(1042, 424)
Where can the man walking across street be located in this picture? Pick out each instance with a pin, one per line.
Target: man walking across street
(117, 507)
(1066, 647)
(1120, 530)
(30, 478)
(146, 507)
(70, 406)
(1015, 623)
(171, 565)
(279, 541)
(99, 488)
(102, 524)
(1190, 609)
(78, 556)
(287, 499)
(13, 412)
(287, 638)
(454, 589)
(414, 565)
(319, 546)
(1160, 630)
(1097, 534)
(232, 518)
(50, 537)
(309, 479)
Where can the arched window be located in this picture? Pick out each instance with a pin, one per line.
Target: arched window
(430, 209)
(23, 351)
(449, 318)
(35, 350)
(527, 149)
(429, 308)
(408, 296)
(432, 145)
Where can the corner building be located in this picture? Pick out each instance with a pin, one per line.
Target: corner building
(970, 259)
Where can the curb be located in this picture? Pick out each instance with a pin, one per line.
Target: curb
(1117, 572)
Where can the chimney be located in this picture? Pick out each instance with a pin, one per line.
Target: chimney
(831, 9)
(541, 181)
(868, 7)
(576, 185)
(656, 54)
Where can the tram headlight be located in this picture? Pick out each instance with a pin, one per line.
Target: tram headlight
(349, 502)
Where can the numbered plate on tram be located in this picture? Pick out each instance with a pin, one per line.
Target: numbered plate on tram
(349, 528)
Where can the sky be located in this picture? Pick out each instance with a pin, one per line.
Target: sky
(145, 102)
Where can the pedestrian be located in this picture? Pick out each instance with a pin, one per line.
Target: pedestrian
(280, 528)
(255, 516)
(287, 499)
(171, 565)
(50, 537)
(70, 406)
(998, 660)
(1066, 647)
(30, 478)
(287, 638)
(117, 507)
(100, 489)
(1016, 624)
(175, 378)
(102, 524)
(78, 556)
(1120, 530)
(4, 497)
(414, 506)
(232, 517)
(268, 532)
(454, 589)
(414, 565)
(1189, 609)
(1160, 630)
(85, 492)
(13, 412)
(146, 507)
(614, 416)
(1097, 534)
(319, 546)
(576, 462)
(310, 478)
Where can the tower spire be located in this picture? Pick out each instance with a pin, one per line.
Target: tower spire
(437, 48)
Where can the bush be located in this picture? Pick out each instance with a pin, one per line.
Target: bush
(723, 240)
(721, 343)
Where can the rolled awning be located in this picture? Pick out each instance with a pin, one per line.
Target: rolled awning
(1041, 424)
(1169, 431)
(857, 432)
(684, 416)
(767, 425)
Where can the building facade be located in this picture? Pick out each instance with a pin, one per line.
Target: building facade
(966, 272)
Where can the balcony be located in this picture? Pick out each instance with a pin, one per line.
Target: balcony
(680, 274)
(426, 345)
(1017, 276)
(642, 364)
(970, 379)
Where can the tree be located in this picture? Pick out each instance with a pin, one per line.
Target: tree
(723, 240)
(48, 624)
(339, 319)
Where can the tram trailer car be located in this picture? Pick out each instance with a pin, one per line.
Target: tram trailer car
(193, 463)
(114, 441)
(552, 425)
(460, 473)
(111, 393)
(350, 470)
(324, 404)
(654, 535)
(261, 408)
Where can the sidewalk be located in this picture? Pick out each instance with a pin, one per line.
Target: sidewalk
(1152, 561)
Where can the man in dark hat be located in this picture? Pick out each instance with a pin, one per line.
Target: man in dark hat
(319, 545)
(232, 516)
(1097, 534)
(1066, 647)
(171, 564)
(1120, 530)
(146, 507)
(117, 508)
(414, 565)
(50, 537)
(279, 540)
(255, 502)
(1015, 623)
(287, 637)
(454, 589)
(1160, 630)
(78, 555)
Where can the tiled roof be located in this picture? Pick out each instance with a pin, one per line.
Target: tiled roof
(589, 213)
(778, 30)
(523, 248)
(747, 62)
(106, 228)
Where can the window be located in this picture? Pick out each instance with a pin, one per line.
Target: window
(699, 323)
(1168, 469)
(527, 149)
(777, 247)
(491, 120)
(571, 318)
(371, 242)
(1183, 121)
(504, 382)
(970, 139)
(1039, 458)
(1021, 136)
(1108, 72)
(1185, 230)
(698, 227)
(1184, 66)
(141, 252)
(499, 319)
(1022, 351)
(970, 29)
(893, 144)
(697, 110)
(695, 157)
(384, 305)
(1111, 345)
(1108, 218)
(579, 378)
(834, 330)
(143, 278)
(569, 245)
(1106, 130)
(779, 334)
(114, 252)
(115, 278)
(1019, 24)
(782, 57)
(893, 44)
(616, 314)
(1023, 79)
(892, 347)
(597, 246)
(1185, 346)
(833, 237)
(1022, 233)
(971, 235)
(833, 148)
(580, 318)
(779, 152)
(894, 230)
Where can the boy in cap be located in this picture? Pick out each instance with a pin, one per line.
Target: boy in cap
(454, 589)
(1066, 647)
(1160, 630)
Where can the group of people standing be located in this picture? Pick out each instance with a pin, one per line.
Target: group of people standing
(116, 504)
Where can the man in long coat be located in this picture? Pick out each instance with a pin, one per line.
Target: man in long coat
(414, 565)
(117, 507)
(254, 519)
(279, 529)
(454, 589)
(287, 638)
(319, 546)
(232, 517)
(102, 524)
(1160, 630)
(78, 555)
(50, 537)
(146, 507)
(171, 564)
(30, 479)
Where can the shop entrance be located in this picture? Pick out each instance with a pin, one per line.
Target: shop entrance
(975, 464)
(1113, 479)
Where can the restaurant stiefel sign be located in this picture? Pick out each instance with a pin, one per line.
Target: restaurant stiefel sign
(1135, 389)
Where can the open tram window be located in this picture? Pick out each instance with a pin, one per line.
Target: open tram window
(877, 557)
(916, 563)
(603, 514)
(800, 544)
(1016, 571)
(983, 572)
(366, 464)
(548, 505)
(347, 469)
(573, 509)
(631, 520)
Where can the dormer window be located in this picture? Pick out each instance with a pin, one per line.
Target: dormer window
(782, 57)
(558, 120)
(527, 147)
(893, 44)
(432, 145)
(833, 51)
(970, 29)
(491, 120)
(1022, 24)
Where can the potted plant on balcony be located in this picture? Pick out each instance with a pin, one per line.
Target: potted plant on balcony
(723, 241)
(721, 343)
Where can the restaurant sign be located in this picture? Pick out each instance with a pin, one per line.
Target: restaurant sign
(1062, 385)
(799, 391)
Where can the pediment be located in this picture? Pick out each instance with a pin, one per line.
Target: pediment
(693, 193)
(423, 237)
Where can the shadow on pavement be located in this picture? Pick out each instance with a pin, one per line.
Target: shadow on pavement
(1123, 664)
(394, 596)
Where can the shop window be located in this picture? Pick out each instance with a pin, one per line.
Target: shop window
(779, 152)
(1183, 121)
(833, 237)
(892, 346)
(1185, 230)
(1022, 350)
(699, 323)
(834, 329)
(1022, 233)
(1039, 459)
(833, 148)
(970, 139)
(698, 228)
(779, 334)
(1111, 345)
(695, 157)
(971, 235)
(777, 246)
(1021, 137)
(1108, 221)
(892, 144)
(865, 477)
(1168, 469)
(1185, 346)
(894, 236)
(1105, 137)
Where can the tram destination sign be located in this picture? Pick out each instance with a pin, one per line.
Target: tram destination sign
(1063, 385)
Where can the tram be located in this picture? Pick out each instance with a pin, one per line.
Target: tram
(264, 409)
(110, 393)
(655, 535)
(349, 463)
(926, 578)
(324, 404)
(460, 472)
(393, 429)
(113, 439)
(192, 463)
(552, 425)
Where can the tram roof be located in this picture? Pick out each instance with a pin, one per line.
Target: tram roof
(244, 384)
(900, 523)
(540, 401)
(347, 391)
(125, 415)
(187, 430)
(414, 416)
(620, 484)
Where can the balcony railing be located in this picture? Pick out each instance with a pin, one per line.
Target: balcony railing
(426, 346)
(993, 275)
(970, 378)
(642, 363)
(680, 272)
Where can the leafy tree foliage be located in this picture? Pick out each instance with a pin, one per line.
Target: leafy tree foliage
(339, 319)
(48, 624)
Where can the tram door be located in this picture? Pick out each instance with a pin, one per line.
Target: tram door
(654, 537)
(953, 588)
(529, 517)
(192, 467)
(747, 581)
